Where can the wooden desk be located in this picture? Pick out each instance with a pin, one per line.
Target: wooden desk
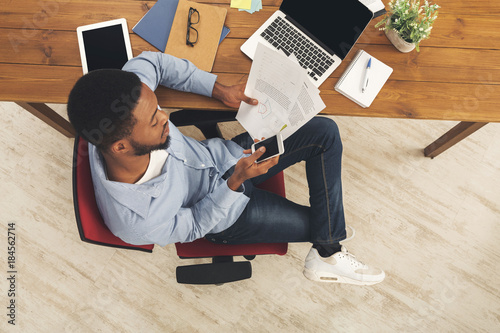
(455, 76)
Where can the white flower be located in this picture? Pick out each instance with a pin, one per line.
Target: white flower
(421, 29)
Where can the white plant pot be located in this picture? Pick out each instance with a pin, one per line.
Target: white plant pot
(399, 42)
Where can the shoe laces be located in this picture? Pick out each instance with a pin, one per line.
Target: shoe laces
(351, 257)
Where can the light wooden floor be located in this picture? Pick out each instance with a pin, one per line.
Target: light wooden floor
(433, 225)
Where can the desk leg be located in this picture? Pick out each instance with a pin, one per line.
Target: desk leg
(453, 136)
(50, 117)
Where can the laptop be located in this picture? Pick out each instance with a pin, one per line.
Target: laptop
(319, 33)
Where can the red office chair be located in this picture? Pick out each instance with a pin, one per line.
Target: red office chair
(88, 219)
(222, 269)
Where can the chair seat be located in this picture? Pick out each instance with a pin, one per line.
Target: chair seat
(202, 248)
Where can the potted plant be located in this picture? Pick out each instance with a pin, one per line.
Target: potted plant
(407, 23)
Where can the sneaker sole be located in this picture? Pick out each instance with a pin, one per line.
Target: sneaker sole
(332, 278)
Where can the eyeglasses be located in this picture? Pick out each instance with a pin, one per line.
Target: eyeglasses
(192, 33)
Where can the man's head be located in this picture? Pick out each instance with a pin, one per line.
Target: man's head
(113, 110)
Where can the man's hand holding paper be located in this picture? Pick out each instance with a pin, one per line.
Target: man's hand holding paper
(287, 99)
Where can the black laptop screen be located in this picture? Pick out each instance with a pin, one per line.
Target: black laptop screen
(334, 24)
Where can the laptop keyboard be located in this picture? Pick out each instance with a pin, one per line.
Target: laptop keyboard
(283, 36)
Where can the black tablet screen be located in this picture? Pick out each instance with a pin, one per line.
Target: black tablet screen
(105, 48)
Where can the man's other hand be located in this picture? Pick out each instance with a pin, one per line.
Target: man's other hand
(247, 168)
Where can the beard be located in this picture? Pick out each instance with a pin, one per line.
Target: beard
(140, 150)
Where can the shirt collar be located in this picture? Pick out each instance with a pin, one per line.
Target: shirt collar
(137, 197)
(133, 196)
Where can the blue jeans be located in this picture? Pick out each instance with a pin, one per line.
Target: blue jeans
(270, 218)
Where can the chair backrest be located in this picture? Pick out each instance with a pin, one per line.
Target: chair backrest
(88, 218)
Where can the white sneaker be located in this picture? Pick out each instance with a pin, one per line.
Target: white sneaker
(341, 267)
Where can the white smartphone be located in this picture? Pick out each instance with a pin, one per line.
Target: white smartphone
(104, 45)
(274, 146)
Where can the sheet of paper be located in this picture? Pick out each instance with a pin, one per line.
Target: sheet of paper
(307, 105)
(243, 4)
(287, 99)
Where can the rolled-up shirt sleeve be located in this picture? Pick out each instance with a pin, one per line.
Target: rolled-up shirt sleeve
(156, 68)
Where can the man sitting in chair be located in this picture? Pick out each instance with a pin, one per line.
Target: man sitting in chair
(155, 185)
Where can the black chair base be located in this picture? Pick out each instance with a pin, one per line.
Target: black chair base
(214, 273)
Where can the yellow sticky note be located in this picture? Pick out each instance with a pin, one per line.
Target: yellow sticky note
(243, 4)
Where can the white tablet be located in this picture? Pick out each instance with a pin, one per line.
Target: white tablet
(104, 45)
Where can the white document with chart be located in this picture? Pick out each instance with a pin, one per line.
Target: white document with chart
(287, 99)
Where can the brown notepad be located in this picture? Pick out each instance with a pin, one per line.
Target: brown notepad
(202, 54)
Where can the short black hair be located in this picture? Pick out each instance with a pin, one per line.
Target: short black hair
(100, 106)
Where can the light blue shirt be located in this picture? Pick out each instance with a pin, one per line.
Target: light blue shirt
(189, 199)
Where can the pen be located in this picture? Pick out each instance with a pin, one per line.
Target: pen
(367, 76)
